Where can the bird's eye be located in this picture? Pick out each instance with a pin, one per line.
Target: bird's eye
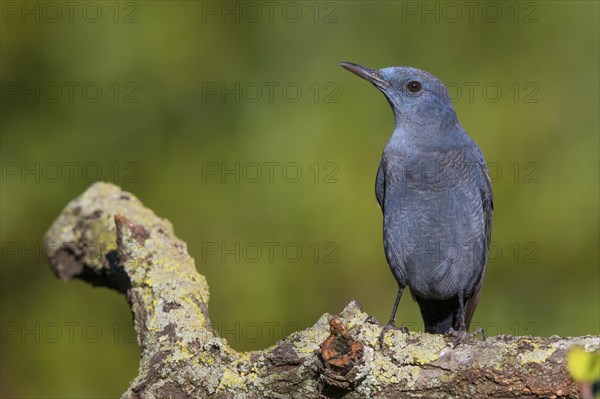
(413, 86)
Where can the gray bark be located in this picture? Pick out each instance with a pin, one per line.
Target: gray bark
(137, 254)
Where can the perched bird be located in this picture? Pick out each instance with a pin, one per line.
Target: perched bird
(435, 194)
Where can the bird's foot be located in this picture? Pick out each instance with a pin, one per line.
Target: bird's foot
(481, 331)
(390, 326)
(462, 335)
(372, 320)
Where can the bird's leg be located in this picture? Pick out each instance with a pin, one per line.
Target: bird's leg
(391, 325)
(462, 334)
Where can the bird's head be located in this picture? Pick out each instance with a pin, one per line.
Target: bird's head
(416, 96)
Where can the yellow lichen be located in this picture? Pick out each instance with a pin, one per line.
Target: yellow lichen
(536, 355)
(231, 380)
(387, 372)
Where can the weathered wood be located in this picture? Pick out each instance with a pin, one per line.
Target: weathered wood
(107, 237)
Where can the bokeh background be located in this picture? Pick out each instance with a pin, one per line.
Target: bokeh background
(161, 97)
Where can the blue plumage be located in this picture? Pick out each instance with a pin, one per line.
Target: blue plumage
(435, 193)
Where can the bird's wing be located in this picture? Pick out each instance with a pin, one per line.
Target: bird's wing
(487, 202)
(380, 185)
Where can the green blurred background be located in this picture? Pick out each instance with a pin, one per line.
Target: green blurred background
(187, 88)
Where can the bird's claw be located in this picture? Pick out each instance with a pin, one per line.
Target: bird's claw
(481, 331)
(372, 320)
(390, 326)
(462, 335)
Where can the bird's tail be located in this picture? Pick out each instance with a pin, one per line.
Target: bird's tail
(438, 315)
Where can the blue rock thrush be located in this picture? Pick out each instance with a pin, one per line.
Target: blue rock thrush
(434, 190)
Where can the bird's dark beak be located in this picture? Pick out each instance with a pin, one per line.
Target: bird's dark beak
(368, 74)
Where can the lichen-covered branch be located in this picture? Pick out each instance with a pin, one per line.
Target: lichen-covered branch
(107, 237)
